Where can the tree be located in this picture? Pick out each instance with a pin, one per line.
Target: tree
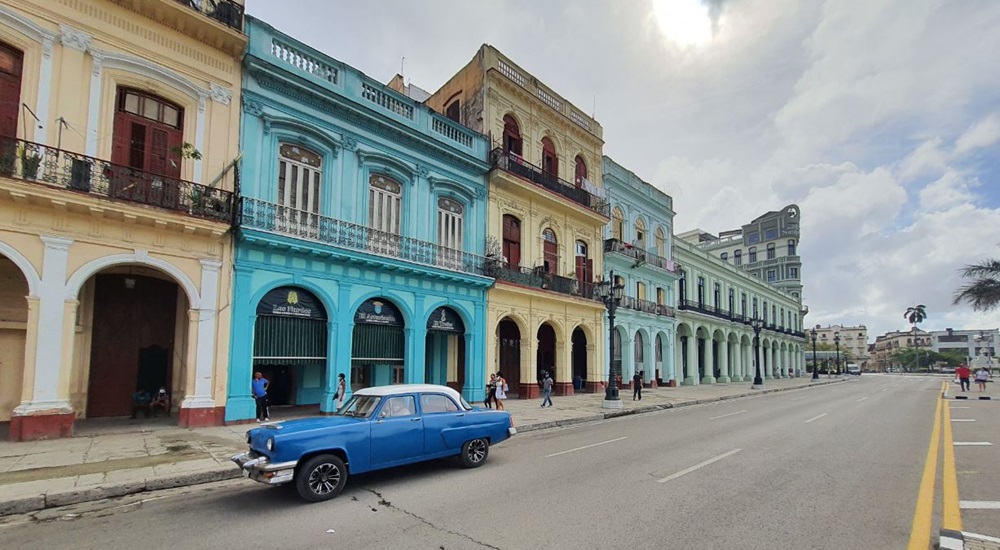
(915, 315)
(983, 291)
(910, 358)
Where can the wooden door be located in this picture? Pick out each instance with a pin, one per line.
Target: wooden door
(146, 137)
(512, 241)
(10, 103)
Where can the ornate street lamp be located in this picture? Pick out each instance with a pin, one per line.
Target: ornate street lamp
(836, 340)
(758, 381)
(815, 364)
(610, 292)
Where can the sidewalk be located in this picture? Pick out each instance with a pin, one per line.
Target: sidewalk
(118, 458)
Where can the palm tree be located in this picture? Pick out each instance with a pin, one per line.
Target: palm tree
(983, 291)
(915, 315)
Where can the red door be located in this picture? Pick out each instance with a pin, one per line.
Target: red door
(512, 241)
(10, 102)
(147, 134)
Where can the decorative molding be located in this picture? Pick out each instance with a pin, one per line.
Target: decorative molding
(137, 65)
(48, 45)
(202, 102)
(252, 107)
(220, 94)
(350, 143)
(97, 63)
(423, 170)
(25, 26)
(74, 38)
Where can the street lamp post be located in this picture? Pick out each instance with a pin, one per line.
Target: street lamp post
(610, 292)
(758, 381)
(836, 340)
(815, 364)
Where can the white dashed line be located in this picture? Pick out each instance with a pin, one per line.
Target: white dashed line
(697, 466)
(972, 443)
(797, 398)
(725, 415)
(862, 399)
(979, 504)
(815, 418)
(963, 419)
(585, 447)
(954, 407)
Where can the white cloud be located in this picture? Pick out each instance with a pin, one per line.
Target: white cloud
(983, 134)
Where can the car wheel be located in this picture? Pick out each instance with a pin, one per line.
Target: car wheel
(474, 453)
(321, 478)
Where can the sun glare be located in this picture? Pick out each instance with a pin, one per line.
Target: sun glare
(685, 22)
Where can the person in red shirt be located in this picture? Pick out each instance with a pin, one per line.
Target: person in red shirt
(963, 374)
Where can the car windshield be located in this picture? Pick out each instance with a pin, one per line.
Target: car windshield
(360, 406)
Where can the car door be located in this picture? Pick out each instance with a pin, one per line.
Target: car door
(440, 414)
(397, 432)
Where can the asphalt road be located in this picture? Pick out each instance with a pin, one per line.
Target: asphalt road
(834, 467)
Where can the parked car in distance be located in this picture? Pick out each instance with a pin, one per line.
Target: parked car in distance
(379, 427)
(947, 370)
(854, 369)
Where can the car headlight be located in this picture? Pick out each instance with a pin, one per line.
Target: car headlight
(270, 443)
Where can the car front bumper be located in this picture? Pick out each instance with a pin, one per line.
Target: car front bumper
(258, 468)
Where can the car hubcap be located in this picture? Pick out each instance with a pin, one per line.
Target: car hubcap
(324, 479)
(477, 450)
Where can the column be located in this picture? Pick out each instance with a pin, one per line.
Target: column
(416, 347)
(328, 399)
(766, 362)
(691, 378)
(724, 361)
(529, 353)
(46, 412)
(669, 360)
(709, 376)
(240, 404)
(198, 408)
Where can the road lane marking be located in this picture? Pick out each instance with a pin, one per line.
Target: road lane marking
(954, 407)
(887, 389)
(815, 418)
(797, 398)
(980, 504)
(920, 530)
(725, 415)
(972, 443)
(585, 447)
(950, 512)
(963, 419)
(697, 466)
(862, 399)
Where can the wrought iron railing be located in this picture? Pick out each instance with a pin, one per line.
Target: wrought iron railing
(267, 216)
(537, 277)
(227, 12)
(32, 162)
(621, 247)
(647, 306)
(509, 162)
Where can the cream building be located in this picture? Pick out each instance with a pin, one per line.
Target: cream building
(889, 343)
(119, 124)
(853, 340)
(545, 219)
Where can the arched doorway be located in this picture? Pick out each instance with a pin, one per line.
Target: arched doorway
(13, 332)
(616, 357)
(509, 337)
(658, 361)
(579, 359)
(545, 356)
(379, 345)
(290, 346)
(137, 319)
(444, 361)
(639, 355)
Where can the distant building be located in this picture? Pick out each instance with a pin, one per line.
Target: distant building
(891, 342)
(853, 340)
(970, 343)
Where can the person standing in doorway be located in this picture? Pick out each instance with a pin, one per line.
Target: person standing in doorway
(963, 373)
(637, 386)
(546, 388)
(501, 391)
(982, 375)
(259, 386)
(341, 390)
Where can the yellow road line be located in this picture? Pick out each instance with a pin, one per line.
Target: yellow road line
(920, 532)
(950, 511)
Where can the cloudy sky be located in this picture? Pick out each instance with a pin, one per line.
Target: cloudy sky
(880, 118)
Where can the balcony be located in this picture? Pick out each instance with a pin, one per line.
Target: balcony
(639, 255)
(514, 164)
(537, 277)
(273, 218)
(55, 168)
(217, 23)
(646, 306)
(227, 12)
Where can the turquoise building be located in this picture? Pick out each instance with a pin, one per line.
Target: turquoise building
(361, 232)
(637, 248)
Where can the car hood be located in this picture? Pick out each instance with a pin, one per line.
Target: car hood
(308, 424)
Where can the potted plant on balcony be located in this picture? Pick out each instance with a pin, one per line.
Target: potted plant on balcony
(494, 256)
(30, 162)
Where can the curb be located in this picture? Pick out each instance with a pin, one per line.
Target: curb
(52, 500)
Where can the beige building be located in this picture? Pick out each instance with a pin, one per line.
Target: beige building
(853, 340)
(545, 218)
(119, 125)
(891, 342)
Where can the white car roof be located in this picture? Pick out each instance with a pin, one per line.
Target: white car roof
(382, 391)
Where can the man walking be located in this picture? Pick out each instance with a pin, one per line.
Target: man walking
(637, 386)
(259, 386)
(547, 388)
(963, 374)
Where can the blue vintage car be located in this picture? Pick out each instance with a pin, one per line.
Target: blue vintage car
(377, 428)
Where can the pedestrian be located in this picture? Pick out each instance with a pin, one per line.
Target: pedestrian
(501, 390)
(637, 386)
(491, 388)
(982, 375)
(259, 386)
(341, 390)
(546, 388)
(963, 372)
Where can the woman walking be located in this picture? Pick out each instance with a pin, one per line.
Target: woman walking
(491, 388)
(501, 391)
(982, 375)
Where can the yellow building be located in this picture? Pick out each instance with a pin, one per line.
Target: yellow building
(119, 128)
(546, 214)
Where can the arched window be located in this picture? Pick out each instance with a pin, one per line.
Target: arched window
(661, 243)
(511, 241)
(791, 247)
(584, 265)
(724, 256)
(640, 234)
(617, 224)
(385, 198)
(11, 63)
(753, 254)
(580, 172)
(770, 251)
(148, 130)
(450, 232)
(511, 136)
(454, 111)
(550, 252)
(738, 257)
(300, 175)
(550, 162)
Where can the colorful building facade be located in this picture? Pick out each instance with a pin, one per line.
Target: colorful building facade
(545, 222)
(638, 250)
(361, 234)
(118, 133)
